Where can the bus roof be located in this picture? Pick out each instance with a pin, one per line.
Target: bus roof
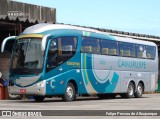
(38, 28)
(42, 27)
(131, 40)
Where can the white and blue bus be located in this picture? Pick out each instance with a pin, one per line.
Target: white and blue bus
(67, 61)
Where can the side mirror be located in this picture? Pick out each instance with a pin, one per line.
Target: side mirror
(5, 42)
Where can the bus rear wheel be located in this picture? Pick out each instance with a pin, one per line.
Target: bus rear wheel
(70, 94)
(38, 98)
(139, 91)
(130, 91)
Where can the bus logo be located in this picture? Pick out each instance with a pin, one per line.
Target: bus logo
(6, 113)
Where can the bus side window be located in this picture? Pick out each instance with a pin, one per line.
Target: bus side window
(66, 48)
(141, 51)
(127, 49)
(52, 55)
(150, 52)
(109, 47)
(61, 50)
(90, 45)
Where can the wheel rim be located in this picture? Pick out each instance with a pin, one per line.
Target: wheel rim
(130, 90)
(140, 90)
(69, 91)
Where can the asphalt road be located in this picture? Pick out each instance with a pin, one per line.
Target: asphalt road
(147, 102)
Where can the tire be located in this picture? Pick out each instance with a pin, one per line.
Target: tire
(139, 91)
(70, 94)
(130, 91)
(38, 98)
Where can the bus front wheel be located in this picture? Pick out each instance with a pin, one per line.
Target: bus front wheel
(38, 98)
(69, 93)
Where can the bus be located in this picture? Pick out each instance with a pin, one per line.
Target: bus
(69, 61)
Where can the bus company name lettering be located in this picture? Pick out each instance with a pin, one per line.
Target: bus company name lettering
(76, 64)
(131, 64)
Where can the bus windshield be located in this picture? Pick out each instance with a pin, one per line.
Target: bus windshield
(27, 57)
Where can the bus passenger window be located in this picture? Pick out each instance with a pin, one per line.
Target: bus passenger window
(109, 47)
(150, 52)
(141, 51)
(90, 45)
(127, 49)
(105, 51)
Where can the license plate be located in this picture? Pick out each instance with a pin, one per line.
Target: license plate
(22, 90)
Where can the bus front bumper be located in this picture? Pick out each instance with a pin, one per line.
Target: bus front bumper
(36, 89)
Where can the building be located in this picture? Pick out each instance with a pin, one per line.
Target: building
(14, 18)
